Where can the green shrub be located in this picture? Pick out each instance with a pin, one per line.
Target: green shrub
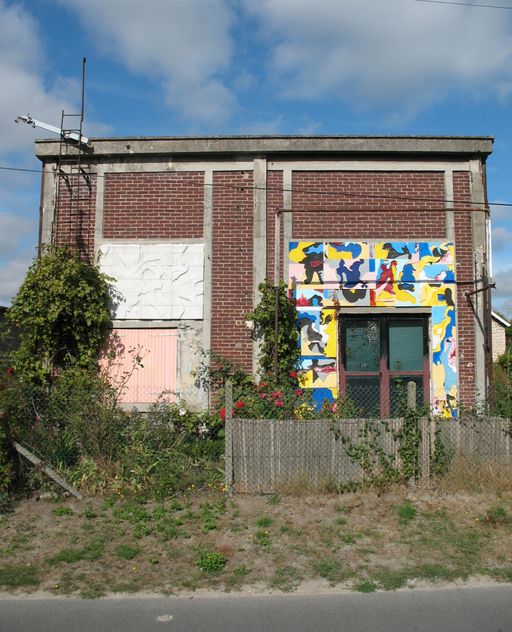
(62, 311)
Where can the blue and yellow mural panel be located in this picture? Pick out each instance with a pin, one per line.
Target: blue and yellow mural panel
(324, 275)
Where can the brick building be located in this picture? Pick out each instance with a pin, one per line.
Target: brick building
(383, 241)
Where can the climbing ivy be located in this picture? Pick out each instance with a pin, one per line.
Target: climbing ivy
(263, 318)
(379, 466)
(62, 312)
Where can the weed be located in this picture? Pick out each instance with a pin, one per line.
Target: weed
(93, 551)
(68, 555)
(89, 513)
(286, 578)
(501, 574)
(93, 591)
(406, 513)
(211, 562)
(341, 520)
(15, 576)
(350, 537)
(126, 552)
(274, 500)
(366, 586)
(62, 511)
(133, 513)
(262, 537)
(17, 543)
(209, 520)
(241, 571)
(331, 569)
(497, 516)
(142, 530)
(263, 522)
(434, 571)
(389, 579)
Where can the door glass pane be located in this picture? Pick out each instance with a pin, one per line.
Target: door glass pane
(398, 394)
(362, 350)
(364, 392)
(406, 345)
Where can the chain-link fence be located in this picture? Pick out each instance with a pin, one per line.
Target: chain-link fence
(298, 446)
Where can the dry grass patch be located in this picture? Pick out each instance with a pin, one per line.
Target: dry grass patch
(362, 540)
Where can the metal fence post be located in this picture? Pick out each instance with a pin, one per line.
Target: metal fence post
(228, 438)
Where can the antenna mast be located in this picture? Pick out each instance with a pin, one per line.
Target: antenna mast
(68, 218)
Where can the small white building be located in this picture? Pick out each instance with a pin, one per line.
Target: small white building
(499, 338)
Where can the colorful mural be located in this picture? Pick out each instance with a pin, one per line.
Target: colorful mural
(325, 275)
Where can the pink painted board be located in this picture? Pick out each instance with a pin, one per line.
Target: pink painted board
(157, 349)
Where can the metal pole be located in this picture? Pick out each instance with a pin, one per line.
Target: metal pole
(228, 438)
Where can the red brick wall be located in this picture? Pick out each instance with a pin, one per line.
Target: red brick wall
(153, 205)
(170, 205)
(465, 273)
(368, 191)
(75, 218)
(232, 261)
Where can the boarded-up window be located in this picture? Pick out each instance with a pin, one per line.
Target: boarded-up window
(157, 350)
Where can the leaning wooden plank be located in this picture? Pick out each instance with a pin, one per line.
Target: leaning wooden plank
(47, 470)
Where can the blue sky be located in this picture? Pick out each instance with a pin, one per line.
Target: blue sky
(179, 67)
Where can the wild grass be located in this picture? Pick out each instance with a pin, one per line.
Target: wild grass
(470, 474)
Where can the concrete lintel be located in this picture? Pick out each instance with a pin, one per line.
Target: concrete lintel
(141, 165)
(473, 145)
(155, 324)
(145, 242)
(370, 164)
(347, 238)
(384, 310)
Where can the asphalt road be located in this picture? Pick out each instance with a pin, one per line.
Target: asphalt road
(469, 609)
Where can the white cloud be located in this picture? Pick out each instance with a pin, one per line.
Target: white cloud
(398, 54)
(502, 295)
(185, 44)
(12, 230)
(23, 85)
(12, 274)
(501, 238)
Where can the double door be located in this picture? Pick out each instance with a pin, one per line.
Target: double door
(378, 356)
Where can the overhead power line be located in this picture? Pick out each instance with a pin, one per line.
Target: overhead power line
(468, 4)
(298, 189)
(19, 169)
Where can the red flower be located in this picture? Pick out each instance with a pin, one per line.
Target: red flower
(278, 402)
(276, 394)
(239, 404)
(298, 392)
(9, 370)
(222, 413)
(293, 374)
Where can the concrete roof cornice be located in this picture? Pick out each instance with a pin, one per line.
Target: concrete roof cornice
(273, 145)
